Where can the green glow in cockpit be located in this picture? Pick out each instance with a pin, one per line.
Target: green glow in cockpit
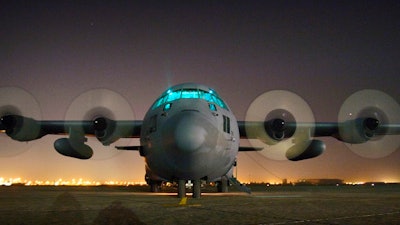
(171, 96)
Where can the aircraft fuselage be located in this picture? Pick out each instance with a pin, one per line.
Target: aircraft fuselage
(189, 134)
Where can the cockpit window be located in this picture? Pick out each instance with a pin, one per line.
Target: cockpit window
(171, 96)
(190, 93)
(167, 107)
(212, 107)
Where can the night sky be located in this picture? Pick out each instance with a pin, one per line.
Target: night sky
(322, 50)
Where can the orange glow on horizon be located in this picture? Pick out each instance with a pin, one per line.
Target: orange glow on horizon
(61, 182)
(88, 182)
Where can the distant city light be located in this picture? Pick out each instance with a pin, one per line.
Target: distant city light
(356, 183)
(61, 182)
(83, 182)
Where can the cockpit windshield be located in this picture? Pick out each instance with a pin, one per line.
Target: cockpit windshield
(171, 96)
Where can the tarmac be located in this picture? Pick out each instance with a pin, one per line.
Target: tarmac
(272, 205)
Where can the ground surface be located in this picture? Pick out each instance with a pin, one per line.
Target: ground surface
(266, 205)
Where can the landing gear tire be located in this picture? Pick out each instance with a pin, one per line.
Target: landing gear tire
(222, 186)
(181, 188)
(155, 186)
(196, 189)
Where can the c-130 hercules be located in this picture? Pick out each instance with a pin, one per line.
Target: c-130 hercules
(190, 133)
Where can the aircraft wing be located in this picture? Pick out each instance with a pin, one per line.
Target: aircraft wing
(25, 129)
(278, 129)
(360, 129)
(303, 136)
(105, 130)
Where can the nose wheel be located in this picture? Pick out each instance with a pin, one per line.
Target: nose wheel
(222, 185)
(196, 188)
(181, 188)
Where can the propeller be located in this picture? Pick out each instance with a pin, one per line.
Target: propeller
(19, 102)
(282, 112)
(365, 119)
(104, 107)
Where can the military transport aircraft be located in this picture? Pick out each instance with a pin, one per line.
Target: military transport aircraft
(190, 133)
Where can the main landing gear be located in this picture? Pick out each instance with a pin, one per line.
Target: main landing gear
(155, 186)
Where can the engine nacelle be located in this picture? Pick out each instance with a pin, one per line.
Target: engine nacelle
(275, 129)
(105, 130)
(314, 149)
(358, 131)
(75, 149)
(21, 128)
(108, 131)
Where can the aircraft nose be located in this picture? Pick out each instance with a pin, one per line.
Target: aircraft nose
(187, 138)
(190, 134)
